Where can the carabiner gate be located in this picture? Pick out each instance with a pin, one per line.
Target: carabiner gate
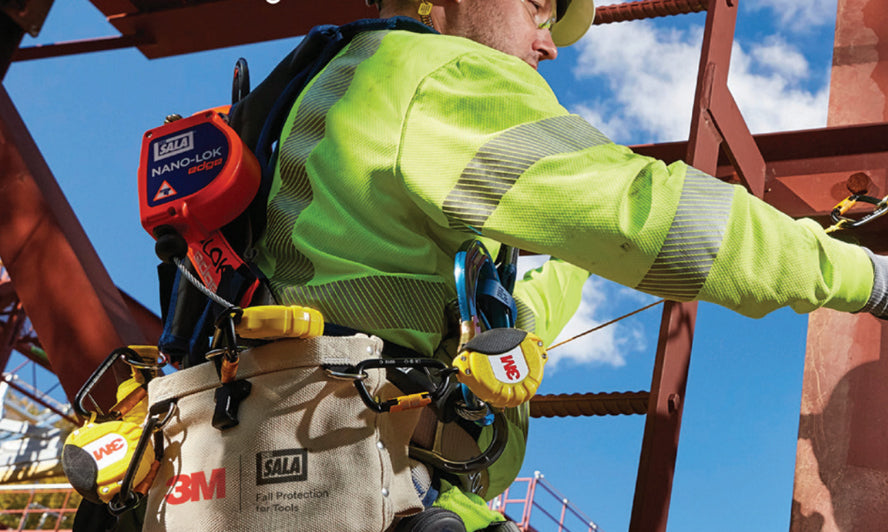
(357, 374)
(842, 221)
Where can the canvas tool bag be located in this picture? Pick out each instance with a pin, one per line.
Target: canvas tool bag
(307, 454)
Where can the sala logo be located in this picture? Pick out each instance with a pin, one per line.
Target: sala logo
(282, 465)
(194, 487)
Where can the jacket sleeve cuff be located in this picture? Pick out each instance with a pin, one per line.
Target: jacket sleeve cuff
(877, 304)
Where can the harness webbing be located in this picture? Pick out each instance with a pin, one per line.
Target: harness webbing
(258, 118)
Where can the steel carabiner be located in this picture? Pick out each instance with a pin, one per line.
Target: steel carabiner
(130, 355)
(357, 374)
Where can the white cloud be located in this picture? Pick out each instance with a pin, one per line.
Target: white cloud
(609, 345)
(651, 73)
(613, 125)
(778, 56)
(798, 15)
(767, 87)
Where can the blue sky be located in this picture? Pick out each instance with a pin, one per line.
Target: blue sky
(635, 81)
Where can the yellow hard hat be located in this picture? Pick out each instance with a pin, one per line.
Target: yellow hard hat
(573, 18)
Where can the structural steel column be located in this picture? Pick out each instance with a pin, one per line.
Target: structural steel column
(76, 310)
(841, 481)
(715, 123)
(11, 37)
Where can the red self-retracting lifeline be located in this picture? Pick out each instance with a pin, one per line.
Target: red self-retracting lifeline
(195, 176)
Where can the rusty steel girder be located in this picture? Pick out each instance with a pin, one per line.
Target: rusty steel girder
(76, 310)
(841, 456)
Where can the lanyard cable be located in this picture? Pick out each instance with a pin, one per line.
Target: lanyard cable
(197, 283)
(603, 325)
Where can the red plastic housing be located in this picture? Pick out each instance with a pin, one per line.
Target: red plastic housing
(196, 175)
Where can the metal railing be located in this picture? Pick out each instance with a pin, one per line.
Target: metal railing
(26, 507)
(548, 510)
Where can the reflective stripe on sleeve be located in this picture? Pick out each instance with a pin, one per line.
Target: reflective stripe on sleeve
(526, 319)
(500, 162)
(693, 240)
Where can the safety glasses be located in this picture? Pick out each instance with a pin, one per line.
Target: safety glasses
(542, 18)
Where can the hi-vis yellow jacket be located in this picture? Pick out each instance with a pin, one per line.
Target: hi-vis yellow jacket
(406, 145)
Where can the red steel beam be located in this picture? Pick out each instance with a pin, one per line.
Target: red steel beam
(195, 27)
(714, 122)
(11, 35)
(738, 141)
(100, 44)
(653, 487)
(147, 321)
(841, 456)
(76, 310)
(10, 332)
(802, 153)
(807, 171)
(172, 31)
(589, 404)
(211, 25)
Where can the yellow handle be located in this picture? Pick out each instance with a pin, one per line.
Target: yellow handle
(414, 400)
(270, 322)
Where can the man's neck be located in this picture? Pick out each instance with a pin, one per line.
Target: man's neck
(387, 12)
(399, 10)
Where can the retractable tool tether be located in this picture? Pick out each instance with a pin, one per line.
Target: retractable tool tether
(111, 459)
(501, 365)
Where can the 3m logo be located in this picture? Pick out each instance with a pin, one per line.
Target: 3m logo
(509, 367)
(194, 487)
(285, 465)
(107, 450)
(173, 145)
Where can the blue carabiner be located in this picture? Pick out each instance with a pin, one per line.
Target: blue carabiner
(484, 303)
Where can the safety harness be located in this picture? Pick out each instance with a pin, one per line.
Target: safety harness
(216, 302)
(257, 117)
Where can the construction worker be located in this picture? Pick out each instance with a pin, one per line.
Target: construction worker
(412, 140)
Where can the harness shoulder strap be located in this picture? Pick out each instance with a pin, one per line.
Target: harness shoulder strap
(258, 119)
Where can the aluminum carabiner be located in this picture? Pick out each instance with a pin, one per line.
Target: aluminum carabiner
(840, 221)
